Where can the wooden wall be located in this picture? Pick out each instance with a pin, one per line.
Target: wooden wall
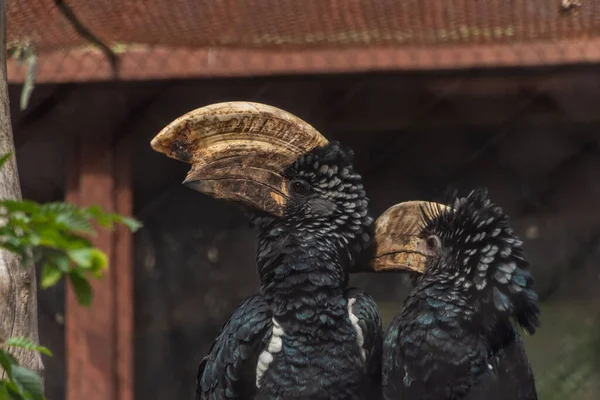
(530, 136)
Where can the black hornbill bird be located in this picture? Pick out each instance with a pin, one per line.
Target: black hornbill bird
(306, 335)
(454, 338)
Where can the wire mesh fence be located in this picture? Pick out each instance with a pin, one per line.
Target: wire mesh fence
(251, 23)
(81, 41)
(529, 135)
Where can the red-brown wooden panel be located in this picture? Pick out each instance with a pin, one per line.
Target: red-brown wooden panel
(123, 273)
(98, 338)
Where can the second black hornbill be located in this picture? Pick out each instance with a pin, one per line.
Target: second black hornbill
(306, 335)
(454, 337)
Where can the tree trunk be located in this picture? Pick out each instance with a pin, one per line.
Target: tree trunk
(18, 296)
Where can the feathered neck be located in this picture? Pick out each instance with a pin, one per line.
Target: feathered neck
(286, 256)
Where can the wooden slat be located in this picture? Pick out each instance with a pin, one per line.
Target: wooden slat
(84, 65)
(98, 339)
(123, 273)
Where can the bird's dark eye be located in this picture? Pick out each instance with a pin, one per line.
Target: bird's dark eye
(300, 188)
(434, 243)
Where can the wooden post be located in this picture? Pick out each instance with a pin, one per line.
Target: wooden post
(99, 349)
(124, 275)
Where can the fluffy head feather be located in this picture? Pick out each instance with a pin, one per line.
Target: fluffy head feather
(478, 254)
(331, 199)
(327, 207)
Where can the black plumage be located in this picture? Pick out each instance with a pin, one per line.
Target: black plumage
(306, 335)
(454, 338)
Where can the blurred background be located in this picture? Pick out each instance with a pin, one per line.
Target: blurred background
(430, 94)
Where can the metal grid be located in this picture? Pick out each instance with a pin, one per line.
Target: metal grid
(536, 148)
(74, 40)
(304, 23)
(531, 137)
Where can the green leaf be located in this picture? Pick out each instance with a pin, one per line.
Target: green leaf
(60, 261)
(81, 257)
(108, 220)
(27, 344)
(7, 361)
(29, 381)
(62, 241)
(50, 276)
(75, 223)
(13, 247)
(82, 288)
(4, 393)
(104, 219)
(20, 218)
(50, 237)
(99, 262)
(58, 207)
(89, 258)
(26, 206)
(7, 392)
(4, 159)
(67, 217)
(133, 224)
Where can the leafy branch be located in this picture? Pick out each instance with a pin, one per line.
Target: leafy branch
(57, 236)
(52, 234)
(22, 383)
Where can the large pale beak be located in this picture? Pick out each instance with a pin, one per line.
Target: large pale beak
(398, 242)
(239, 150)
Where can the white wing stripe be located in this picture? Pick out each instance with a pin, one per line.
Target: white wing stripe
(360, 339)
(266, 357)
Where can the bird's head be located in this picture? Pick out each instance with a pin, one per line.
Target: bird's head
(274, 164)
(468, 246)
(326, 197)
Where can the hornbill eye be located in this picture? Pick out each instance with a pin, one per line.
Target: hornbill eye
(434, 243)
(300, 188)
